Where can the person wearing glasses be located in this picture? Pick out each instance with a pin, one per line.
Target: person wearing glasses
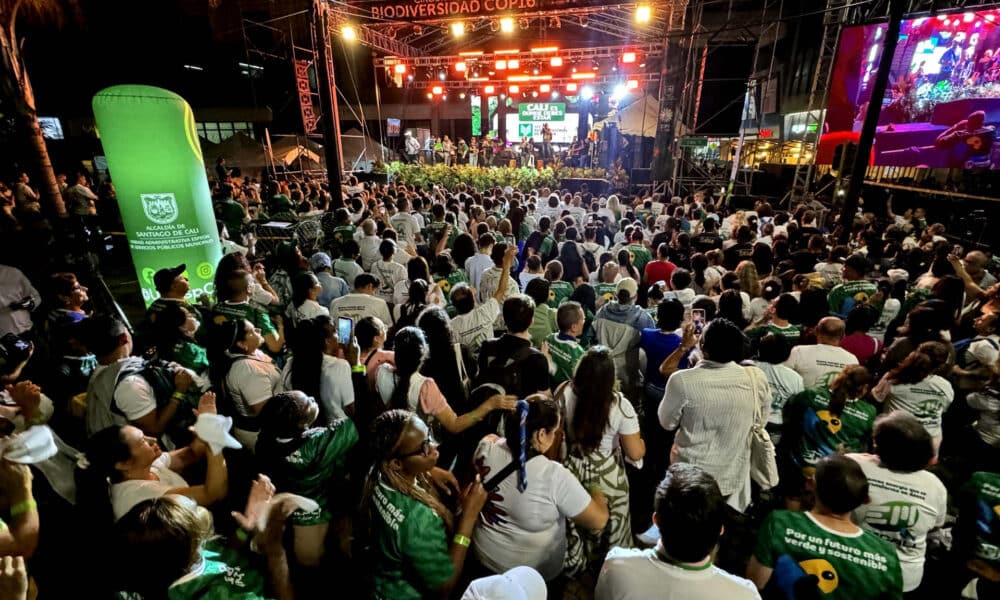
(305, 460)
(419, 546)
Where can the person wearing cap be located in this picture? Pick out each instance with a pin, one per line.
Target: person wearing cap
(172, 285)
(362, 302)
(689, 512)
(519, 583)
(333, 287)
(17, 299)
(855, 289)
(125, 466)
(619, 324)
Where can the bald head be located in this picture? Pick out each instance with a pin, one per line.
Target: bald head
(830, 330)
(975, 264)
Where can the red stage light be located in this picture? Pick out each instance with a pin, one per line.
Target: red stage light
(400, 69)
(583, 75)
(489, 89)
(545, 88)
(628, 57)
(437, 89)
(570, 87)
(556, 61)
(460, 66)
(545, 49)
(506, 51)
(518, 78)
(632, 84)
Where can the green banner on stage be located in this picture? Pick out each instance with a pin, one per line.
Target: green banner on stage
(694, 142)
(153, 154)
(541, 111)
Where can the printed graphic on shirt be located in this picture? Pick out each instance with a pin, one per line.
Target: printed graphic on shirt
(985, 488)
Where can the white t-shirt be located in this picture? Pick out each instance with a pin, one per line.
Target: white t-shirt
(310, 309)
(926, 400)
(135, 397)
(389, 274)
(622, 420)
(476, 325)
(475, 266)
(818, 364)
(784, 384)
(406, 227)
(986, 350)
(525, 528)
(336, 390)
(633, 574)
(903, 508)
(359, 306)
(252, 380)
(126, 494)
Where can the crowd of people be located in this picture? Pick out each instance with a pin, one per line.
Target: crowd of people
(502, 394)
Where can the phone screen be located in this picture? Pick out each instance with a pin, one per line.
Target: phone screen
(345, 325)
(698, 318)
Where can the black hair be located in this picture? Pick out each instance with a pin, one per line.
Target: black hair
(286, 415)
(103, 334)
(386, 249)
(518, 312)
(689, 512)
(593, 385)
(680, 279)
(366, 330)
(542, 414)
(568, 314)
(462, 298)
(841, 485)
(787, 307)
(773, 349)
(861, 318)
(902, 443)
(706, 304)
(669, 314)
(722, 341)
(308, 349)
(411, 350)
(538, 290)
(586, 296)
(301, 284)
(104, 450)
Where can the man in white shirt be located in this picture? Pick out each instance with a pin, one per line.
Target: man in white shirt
(362, 302)
(689, 513)
(404, 223)
(474, 324)
(478, 263)
(17, 299)
(819, 363)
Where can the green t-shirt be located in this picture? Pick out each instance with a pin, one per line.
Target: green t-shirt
(559, 292)
(607, 291)
(222, 574)
(433, 229)
(227, 311)
(446, 283)
(822, 433)
(847, 295)
(640, 256)
(191, 356)
(411, 547)
(544, 324)
(566, 354)
(790, 333)
(857, 566)
(984, 489)
(231, 213)
(314, 466)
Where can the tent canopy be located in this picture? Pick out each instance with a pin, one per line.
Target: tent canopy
(638, 118)
(289, 150)
(239, 150)
(357, 146)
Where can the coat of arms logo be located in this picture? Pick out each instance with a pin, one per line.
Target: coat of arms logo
(159, 208)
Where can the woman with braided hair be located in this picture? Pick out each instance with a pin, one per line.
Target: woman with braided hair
(418, 545)
(524, 522)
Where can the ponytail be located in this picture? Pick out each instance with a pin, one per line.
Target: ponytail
(850, 384)
(535, 413)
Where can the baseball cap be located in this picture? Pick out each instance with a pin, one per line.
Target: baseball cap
(320, 260)
(164, 278)
(519, 583)
(628, 284)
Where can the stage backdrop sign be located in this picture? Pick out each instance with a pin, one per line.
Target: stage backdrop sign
(152, 150)
(541, 111)
(435, 10)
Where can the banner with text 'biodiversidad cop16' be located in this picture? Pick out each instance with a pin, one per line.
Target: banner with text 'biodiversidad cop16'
(155, 161)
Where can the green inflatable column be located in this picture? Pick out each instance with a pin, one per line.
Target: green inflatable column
(155, 161)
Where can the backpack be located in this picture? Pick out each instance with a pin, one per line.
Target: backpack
(501, 371)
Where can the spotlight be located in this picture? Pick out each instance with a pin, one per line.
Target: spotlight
(555, 61)
(460, 66)
(587, 91)
(555, 95)
(643, 13)
(409, 77)
(632, 84)
(442, 75)
(501, 65)
(571, 87)
(437, 89)
(523, 23)
(507, 25)
(458, 29)
(619, 92)
(513, 64)
(535, 71)
(489, 89)
(461, 96)
(534, 94)
(349, 33)
(583, 21)
(544, 88)
(513, 89)
(430, 95)
(400, 69)
(628, 57)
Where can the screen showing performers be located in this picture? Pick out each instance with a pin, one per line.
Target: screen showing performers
(941, 108)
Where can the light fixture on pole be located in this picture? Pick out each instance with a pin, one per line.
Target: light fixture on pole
(458, 29)
(643, 14)
(507, 25)
(349, 33)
